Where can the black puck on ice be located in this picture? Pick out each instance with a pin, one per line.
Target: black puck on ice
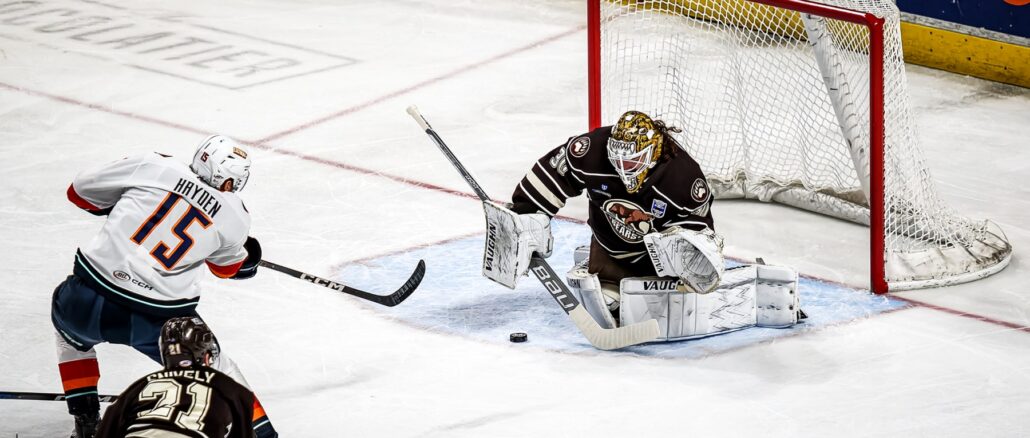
(518, 337)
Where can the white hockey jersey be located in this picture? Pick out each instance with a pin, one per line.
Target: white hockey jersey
(164, 225)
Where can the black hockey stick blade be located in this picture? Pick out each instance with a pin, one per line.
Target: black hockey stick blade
(390, 300)
(599, 337)
(46, 396)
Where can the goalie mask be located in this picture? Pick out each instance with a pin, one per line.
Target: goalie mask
(187, 341)
(634, 148)
(219, 159)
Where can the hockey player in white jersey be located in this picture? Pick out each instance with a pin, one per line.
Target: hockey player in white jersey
(167, 222)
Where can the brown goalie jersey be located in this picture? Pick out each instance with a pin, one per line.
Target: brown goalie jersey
(673, 193)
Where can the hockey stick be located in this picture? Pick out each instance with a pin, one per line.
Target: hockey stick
(599, 337)
(387, 300)
(46, 396)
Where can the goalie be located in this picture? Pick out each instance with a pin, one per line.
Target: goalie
(654, 253)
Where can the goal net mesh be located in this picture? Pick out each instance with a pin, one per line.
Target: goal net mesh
(775, 105)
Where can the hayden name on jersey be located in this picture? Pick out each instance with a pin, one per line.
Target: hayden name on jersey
(674, 194)
(164, 224)
(185, 403)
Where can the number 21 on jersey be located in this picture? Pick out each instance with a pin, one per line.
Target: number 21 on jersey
(166, 255)
(168, 394)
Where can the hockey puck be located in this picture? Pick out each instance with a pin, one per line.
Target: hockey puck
(518, 337)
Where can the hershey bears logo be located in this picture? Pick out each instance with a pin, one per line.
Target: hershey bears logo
(699, 190)
(628, 220)
(579, 147)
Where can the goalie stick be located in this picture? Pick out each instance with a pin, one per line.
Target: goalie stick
(46, 396)
(387, 300)
(599, 337)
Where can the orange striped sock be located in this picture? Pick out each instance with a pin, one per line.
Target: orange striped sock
(79, 376)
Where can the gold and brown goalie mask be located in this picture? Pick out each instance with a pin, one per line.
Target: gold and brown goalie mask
(634, 148)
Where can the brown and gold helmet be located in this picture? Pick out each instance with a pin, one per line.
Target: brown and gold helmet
(634, 148)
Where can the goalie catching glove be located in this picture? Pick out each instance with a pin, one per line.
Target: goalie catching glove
(511, 240)
(692, 256)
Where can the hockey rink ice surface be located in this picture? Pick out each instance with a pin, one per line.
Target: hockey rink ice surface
(345, 185)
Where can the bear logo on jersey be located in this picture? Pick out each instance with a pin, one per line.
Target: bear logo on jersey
(699, 190)
(579, 147)
(628, 220)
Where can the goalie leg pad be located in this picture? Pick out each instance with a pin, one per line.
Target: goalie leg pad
(776, 289)
(751, 295)
(511, 240)
(591, 294)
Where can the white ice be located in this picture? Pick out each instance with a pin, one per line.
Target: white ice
(343, 175)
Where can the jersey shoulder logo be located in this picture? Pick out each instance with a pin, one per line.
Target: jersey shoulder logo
(699, 190)
(579, 146)
(628, 220)
(658, 208)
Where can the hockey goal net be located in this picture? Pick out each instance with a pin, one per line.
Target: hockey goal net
(795, 102)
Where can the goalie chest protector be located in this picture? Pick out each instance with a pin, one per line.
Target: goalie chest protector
(675, 192)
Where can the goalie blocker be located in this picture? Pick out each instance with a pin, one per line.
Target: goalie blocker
(511, 240)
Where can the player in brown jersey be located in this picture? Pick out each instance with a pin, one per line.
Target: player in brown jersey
(187, 398)
(650, 214)
(634, 187)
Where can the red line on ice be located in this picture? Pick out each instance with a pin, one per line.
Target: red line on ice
(422, 84)
(260, 144)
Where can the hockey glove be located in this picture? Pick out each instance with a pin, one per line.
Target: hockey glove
(693, 256)
(250, 264)
(511, 240)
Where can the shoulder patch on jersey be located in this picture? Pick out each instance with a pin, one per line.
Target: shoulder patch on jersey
(658, 208)
(699, 190)
(628, 220)
(579, 146)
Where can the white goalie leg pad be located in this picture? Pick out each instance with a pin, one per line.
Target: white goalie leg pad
(752, 295)
(692, 256)
(511, 240)
(779, 303)
(591, 294)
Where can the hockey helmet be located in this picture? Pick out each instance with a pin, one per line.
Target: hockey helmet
(634, 148)
(186, 341)
(219, 159)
